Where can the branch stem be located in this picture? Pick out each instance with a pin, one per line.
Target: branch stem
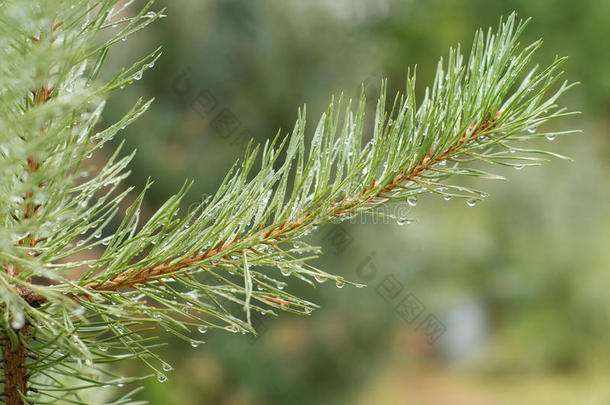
(15, 372)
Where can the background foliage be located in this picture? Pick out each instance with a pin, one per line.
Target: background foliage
(519, 280)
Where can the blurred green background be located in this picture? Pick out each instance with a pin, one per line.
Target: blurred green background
(519, 282)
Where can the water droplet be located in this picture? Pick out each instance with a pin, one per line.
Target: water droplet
(519, 167)
(319, 278)
(412, 201)
(167, 367)
(97, 235)
(472, 202)
(194, 343)
(89, 155)
(511, 151)
(531, 130)
(202, 329)
(102, 348)
(281, 286)
(80, 243)
(307, 310)
(161, 377)
(138, 75)
(550, 137)
(447, 197)
(18, 320)
(404, 221)
(339, 283)
(285, 271)
(232, 328)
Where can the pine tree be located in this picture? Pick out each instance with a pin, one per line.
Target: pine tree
(216, 265)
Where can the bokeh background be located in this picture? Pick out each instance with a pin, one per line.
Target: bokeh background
(519, 282)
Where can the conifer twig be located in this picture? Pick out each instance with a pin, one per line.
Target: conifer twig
(346, 205)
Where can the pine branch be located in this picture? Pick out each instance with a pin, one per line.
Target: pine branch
(346, 205)
(470, 113)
